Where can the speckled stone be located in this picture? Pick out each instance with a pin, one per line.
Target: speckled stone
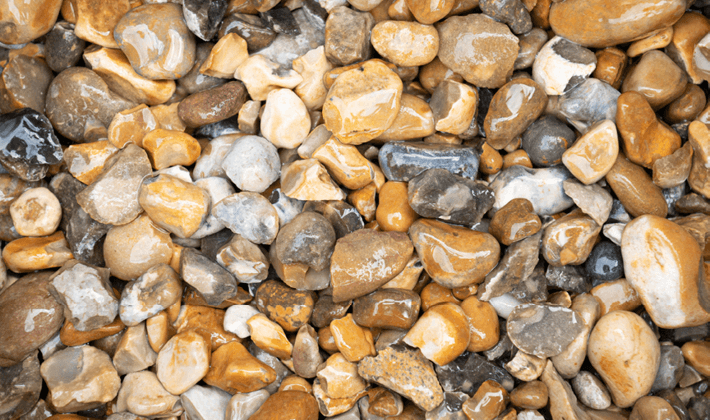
(543, 330)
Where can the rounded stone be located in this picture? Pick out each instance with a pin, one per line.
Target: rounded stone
(546, 139)
(252, 164)
(561, 65)
(285, 121)
(605, 263)
(22, 21)
(543, 330)
(441, 333)
(405, 43)
(36, 212)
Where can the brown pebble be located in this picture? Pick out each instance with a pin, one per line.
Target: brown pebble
(635, 189)
(515, 221)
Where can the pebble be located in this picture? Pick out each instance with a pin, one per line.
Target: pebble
(205, 403)
(20, 387)
(530, 44)
(670, 369)
(339, 378)
(402, 161)
(569, 239)
(312, 66)
(563, 403)
(242, 406)
(288, 307)
(531, 395)
(29, 144)
(19, 92)
(406, 372)
(269, 336)
(126, 252)
(36, 212)
(469, 371)
(25, 255)
(250, 215)
(143, 395)
(593, 155)
(168, 148)
(24, 23)
(650, 407)
(589, 103)
(441, 333)
(235, 370)
(347, 46)
(513, 107)
(454, 106)
(562, 65)
(154, 291)
(212, 105)
(635, 189)
(79, 378)
(514, 222)
(133, 352)
(627, 367)
(175, 205)
(283, 404)
(696, 354)
(308, 180)
(405, 43)
(611, 66)
(545, 141)
(213, 283)
(183, 361)
(591, 391)
(513, 13)
(659, 88)
(543, 187)
(542, 330)
(347, 165)
(285, 121)
(478, 48)
(353, 341)
(306, 355)
(488, 402)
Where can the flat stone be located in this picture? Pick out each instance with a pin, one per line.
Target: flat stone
(25, 255)
(244, 260)
(402, 161)
(183, 361)
(387, 308)
(308, 180)
(542, 187)
(591, 391)
(543, 330)
(214, 283)
(635, 189)
(563, 402)
(593, 200)
(515, 269)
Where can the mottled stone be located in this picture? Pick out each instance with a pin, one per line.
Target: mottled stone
(569, 239)
(212, 105)
(20, 387)
(283, 404)
(214, 283)
(143, 395)
(249, 215)
(562, 65)
(514, 272)
(244, 260)
(593, 155)
(588, 103)
(235, 370)
(288, 307)
(542, 187)
(154, 291)
(514, 13)
(469, 371)
(308, 180)
(402, 161)
(543, 330)
(514, 221)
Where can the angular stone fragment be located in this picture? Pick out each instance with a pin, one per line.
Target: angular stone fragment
(144, 395)
(214, 283)
(441, 333)
(28, 144)
(478, 48)
(250, 215)
(512, 12)
(133, 352)
(203, 18)
(353, 341)
(366, 259)
(86, 294)
(593, 155)
(454, 106)
(20, 386)
(261, 75)
(183, 362)
(113, 197)
(80, 378)
(347, 36)
(154, 291)
(514, 270)
(589, 103)
(234, 369)
(23, 83)
(308, 180)
(404, 371)
(674, 169)
(699, 138)
(543, 330)
(308, 239)
(563, 402)
(569, 239)
(244, 259)
(593, 200)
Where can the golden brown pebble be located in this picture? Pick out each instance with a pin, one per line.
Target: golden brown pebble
(657, 78)
(295, 383)
(487, 403)
(611, 66)
(616, 295)
(168, 148)
(656, 41)
(339, 378)
(70, 336)
(235, 370)
(227, 54)
(530, 395)
(405, 43)
(634, 188)
(431, 74)
(394, 212)
(687, 32)
(433, 294)
(415, 119)
(518, 157)
(346, 164)
(364, 201)
(131, 125)
(25, 255)
(208, 322)
(85, 161)
(353, 341)
(442, 333)
(569, 239)
(688, 106)
(593, 155)
(269, 336)
(697, 355)
(491, 160)
(159, 328)
(515, 221)
(483, 324)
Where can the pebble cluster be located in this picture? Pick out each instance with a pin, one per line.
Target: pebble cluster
(355, 209)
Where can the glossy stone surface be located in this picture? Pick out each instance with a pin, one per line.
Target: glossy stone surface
(29, 144)
(546, 139)
(402, 161)
(23, 22)
(542, 330)
(514, 106)
(542, 187)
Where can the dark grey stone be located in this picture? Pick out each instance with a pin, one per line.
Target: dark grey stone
(571, 278)
(204, 16)
(28, 144)
(516, 266)
(20, 386)
(255, 32)
(511, 12)
(468, 371)
(342, 216)
(307, 239)
(543, 330)
(214, 283)
(546, 140)
(281, 21)
(62, 48)
(604, 263)
(402, 161)
(670, 369)
(590, 102)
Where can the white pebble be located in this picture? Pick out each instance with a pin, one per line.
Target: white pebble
(236, 317)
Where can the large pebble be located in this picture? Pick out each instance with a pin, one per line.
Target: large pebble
(635, 189)
(562, 65)
(402, 161)
(143, 395)
(252, 164)
(132, 249)
(543, 330)
(285, 121)
(212, 105)
(514, 106)
(405, 43)
(250, 215)
(663, 263)
(183, 361)
(542, 187)
(625, 353)
(347, 36)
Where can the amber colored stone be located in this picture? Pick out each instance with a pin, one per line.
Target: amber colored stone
(159, 329)
(506, 118)
(611, 66)
(491, 160)
(531, 395)
(394, 212)
(635, 189)
(208, 322)
(646, 139)
(24, 21)
(295, 383)
(70, 336)
(433, 294)
(293, 405)
(288, 307)
(68, 10)
(326, 341)
(339, 378)
(655, 41)
(25, 255)
(387, 308)
(592, 155)
(569, 239)
(113, 66)
(697, 355)
(483, 324)
(415, 119)
(617, 295)
(269, 336)
(687, 32)
(131, 125)
(235, 370)
(407, 279)
(518, 157)
(688, 105)
(345, 163)
(515, 221)
(487, 403)
(430, 12)
(353, 341)
(465, 291)
(95, 20)
(167, 117)
(540, 14)
(308, 180)
(657, 78)
(364, 201)
(85, 161)
(433, 73)
(227, 54)
(130, 250)
(699, 138)
(442, 333)
(168, 148)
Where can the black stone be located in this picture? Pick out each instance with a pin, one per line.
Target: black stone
(546, 139)
(28, 144)
(65, 187)
(281, 21)
(511, 12)
(670, 369)
(485, 96)
(618, 213)
(604, 263)
(571, 278)
(62, 48)
(468, 371)
(402, 161)
(437, 193)
(211, 244)
(672, 195)
(342, 216)
(315, 13)
(255, 32)
(699, 407)
(86, 237)
(679, 336)
(204, 16)
(219, 128)
(20, 387)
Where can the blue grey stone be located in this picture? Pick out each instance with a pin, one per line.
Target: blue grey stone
(589, 103)
(543, 187)
(402, 161)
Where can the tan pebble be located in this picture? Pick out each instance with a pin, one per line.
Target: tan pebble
(626, 354)
(312, 66)
(526, 367)
(616, 295)
(611, 66)
(249, 116)
(491, 160)
(363, 103)
(226, 55)
(442, 333)
(26, 21)
(483, 324)
(464, 292)
(346, 164)
(518, 157)
(235, 370)
(132, 249)
(113, 66)
(326, 341)
(414, 120)
(143, 395)
(363, 200)
(183, 361)
(269, 336)
(308, 180)
(515, 221)
(339, 377)
(507, 119)
(687, 106)
(353, 341)
(657, 78)
(487, 403)
(384, 403)
(697, 355)
(655, 41)
(25, 255)
(405, 43)
(159, 329)
(671, 170)
(699, 138)
(167, 117)
(85, 161)
(261, 75)
(569, 239)
(96, 19)
(398, 10)
(591, 157)
(285, 121)
(168, 148)
(296, 405)
(36, 212)
(635, 189)
(454, 105)
(687, 32)
(530, 395)
(394, 212)
(131, 125)
(408, 277)
(653, 408)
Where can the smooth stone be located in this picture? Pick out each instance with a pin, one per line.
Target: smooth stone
(23, 83)
(339, 378)
(24, 255)
(402, 161)
(593, 200)
(441, 333)
(28, 144)
(252, 163)
(429, 13)
(95, 21)
(672, 170)
(696, 354)
(469, 371)
(212, 105)
(651, 407)
(126, 252)
(143, 395)
(404, 371)
(261, 76)
(296, 405)
(513, 107)
(285, 121)
(281, 370)
(169, 54)
(514, 222)
(154, 291)
(63, 47)
(465, 42)
(249, 215)
(542, 187)
(308, 180)
(488, 402)
(206, 321)
(437, 193)
(514, 13)
(205, 403)
(86, 161)
(387, 308)
(20, 387)
(591, 391)
(593, 155)
(405, 43)
(662, 262)
(288, 307)
(183, 361)
(116, 189)
(531, 395)
(306, 353)
(605, 263)
(348, 109)
(611, 66)
(269, 336)
(133, 352)
(546, 139)
(617, 22)
(698, 136)
(569, 362)
(312, 66)
(589, 103)
(36, 212)
(569, 239)
(347, 36)
(627, 367)
(213, 283)
(657, 78)
(307, 239)
(562, 65)
(454, 256)
(26, 21)
(453, 105)
(353, 341)
(635, 189)
(542, 330)
(530, 44)
(347, 165)
(670, 369)
(616, 295)
(243, 406)
(79, 378)
(655, 41)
